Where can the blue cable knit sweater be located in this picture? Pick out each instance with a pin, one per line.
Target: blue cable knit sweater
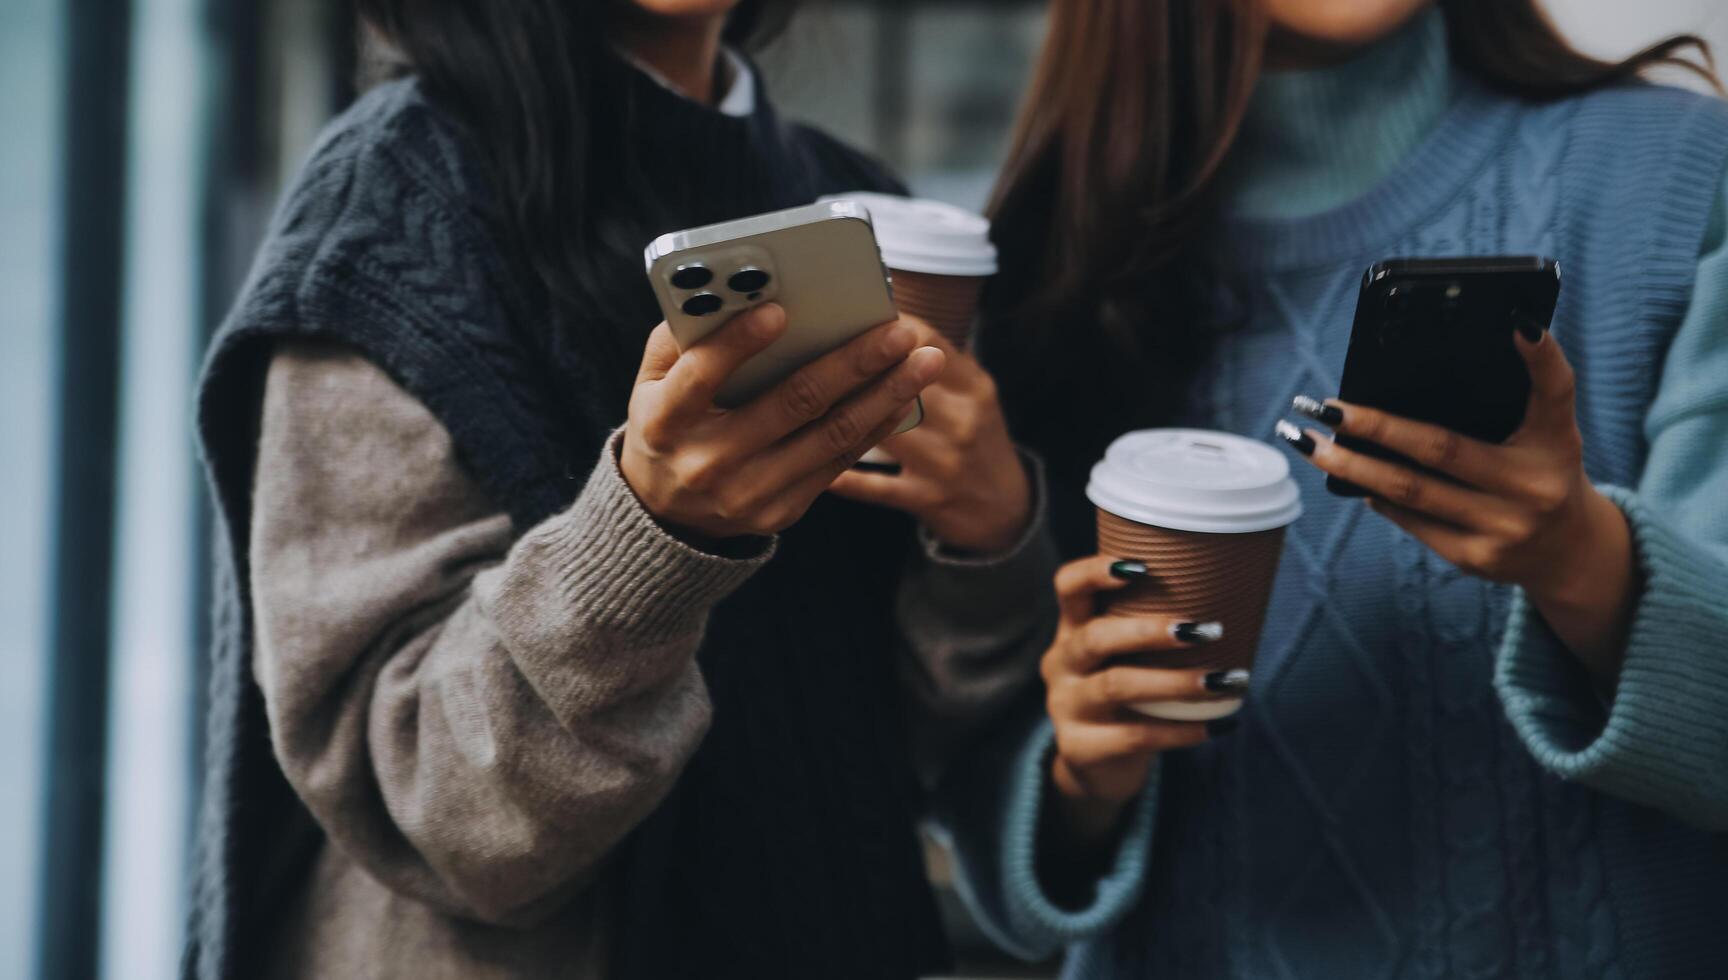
(1425, 783)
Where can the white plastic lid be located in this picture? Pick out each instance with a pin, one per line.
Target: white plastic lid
(1195, 480)
(931, 237)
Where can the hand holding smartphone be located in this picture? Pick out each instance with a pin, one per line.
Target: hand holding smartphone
(820, 263)
(802, 402)
(1432, 341)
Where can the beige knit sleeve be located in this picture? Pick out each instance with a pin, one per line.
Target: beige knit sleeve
(476, 716)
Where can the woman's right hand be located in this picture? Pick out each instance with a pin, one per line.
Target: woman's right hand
(1104, 748)
(709, 473)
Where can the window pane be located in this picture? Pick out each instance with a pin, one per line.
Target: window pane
(148, 782)
(30, 87)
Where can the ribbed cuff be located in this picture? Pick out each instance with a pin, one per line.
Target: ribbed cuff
(1664, 740)
(605, 582)
(1033, 913)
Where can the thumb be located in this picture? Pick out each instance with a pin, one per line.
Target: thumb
(1553, 385)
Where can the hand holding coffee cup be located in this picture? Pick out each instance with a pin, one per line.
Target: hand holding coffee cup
(1202, 515)
(1099, 674)
(1157, 634)
(958, 472)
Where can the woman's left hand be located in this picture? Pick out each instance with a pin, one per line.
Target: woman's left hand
(959, 472)
(1522, 512)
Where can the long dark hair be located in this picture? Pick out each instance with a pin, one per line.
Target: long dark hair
(526, 77)
(1112, 171)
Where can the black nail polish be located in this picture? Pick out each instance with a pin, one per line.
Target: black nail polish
(1198, 632)
(1298, 440)
(1129, 570)
(1222, 726)
(1227, 682)
(1330, 416)
(1531, 329)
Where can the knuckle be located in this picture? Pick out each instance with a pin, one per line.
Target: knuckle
(1481, 556)
(1112, 686)
(1565, 386)
(655, 434)
(987, 390)
(1066, 581)
(1149, 738)
(1050, 668)
(1547, 495)
(802, 397)
(968, 426)
(733, 504)
(843, 432)
(1089, 639)
(700, 472)
(1368, 425)
(904, 385)
(1406, 489)
(1517, 528)
(884, 347)
(1443, 448)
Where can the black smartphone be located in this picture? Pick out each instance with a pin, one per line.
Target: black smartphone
(1433, 342)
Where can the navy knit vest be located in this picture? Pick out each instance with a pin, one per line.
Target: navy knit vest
(1376, 816)
(788, 847)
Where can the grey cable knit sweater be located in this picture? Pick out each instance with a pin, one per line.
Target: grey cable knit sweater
(476, 713)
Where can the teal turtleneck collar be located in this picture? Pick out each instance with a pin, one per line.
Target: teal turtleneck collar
(1317, 139)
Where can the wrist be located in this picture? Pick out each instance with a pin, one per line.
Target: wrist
(1584, 574)
(1590, 602)
(1088, 821)
(998, 529)
(637, 476)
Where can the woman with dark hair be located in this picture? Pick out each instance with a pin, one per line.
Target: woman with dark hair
(515, 673)
(1487, 730)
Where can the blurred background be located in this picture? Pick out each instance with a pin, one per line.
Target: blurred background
(142, 145)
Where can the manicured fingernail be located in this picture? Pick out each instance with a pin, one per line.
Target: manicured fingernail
(1198, 632)
(1330, 416)
(1226, 682)
(1128, 570)
(1532, 330)
(1222, 726)
(1298, 440)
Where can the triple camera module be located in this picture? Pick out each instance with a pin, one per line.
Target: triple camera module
(748, 282)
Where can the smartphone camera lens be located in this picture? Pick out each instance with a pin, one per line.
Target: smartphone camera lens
(703, 304)
(692, 277)
(1398, 299)
(748, 280)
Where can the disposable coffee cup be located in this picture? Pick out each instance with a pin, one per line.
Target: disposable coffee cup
(1206, 512)
(939, 257)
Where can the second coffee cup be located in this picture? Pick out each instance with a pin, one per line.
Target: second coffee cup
(939, 257)
(1206, 513)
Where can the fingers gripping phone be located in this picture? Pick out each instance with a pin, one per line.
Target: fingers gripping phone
(819, 262)
(1432, 341)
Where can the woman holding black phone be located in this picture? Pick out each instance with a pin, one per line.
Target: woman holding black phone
(1487, 731)
(530, 661)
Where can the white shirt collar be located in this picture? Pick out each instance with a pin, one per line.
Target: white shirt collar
(740, 97)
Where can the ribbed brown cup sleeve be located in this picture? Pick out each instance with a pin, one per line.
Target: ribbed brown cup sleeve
(1196, 578)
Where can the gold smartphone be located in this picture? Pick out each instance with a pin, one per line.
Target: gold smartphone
(819, 262)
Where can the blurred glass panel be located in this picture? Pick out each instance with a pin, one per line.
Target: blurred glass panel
(932, 88)
(31, 70)
(148, 782)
